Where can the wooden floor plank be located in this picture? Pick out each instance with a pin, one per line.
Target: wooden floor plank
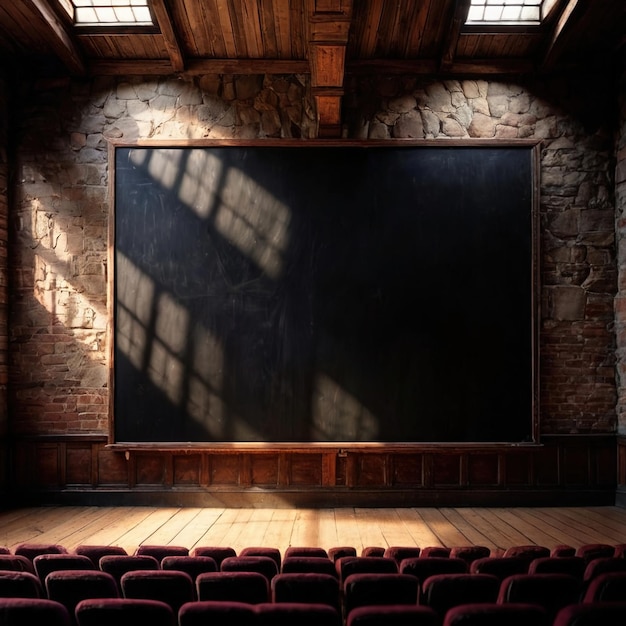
(473, 534)
(419, 529)
(193, 535)
(581, 529)
(347, 529)
(279, 531)
(446, 533)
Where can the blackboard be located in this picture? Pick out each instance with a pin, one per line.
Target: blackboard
(324, 294)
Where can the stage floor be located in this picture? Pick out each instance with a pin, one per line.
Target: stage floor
(496, 528)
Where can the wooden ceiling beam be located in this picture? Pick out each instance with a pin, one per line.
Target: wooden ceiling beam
(164, 21)
(60, 39)
(328, 27)
(562, 33)
(458, 19)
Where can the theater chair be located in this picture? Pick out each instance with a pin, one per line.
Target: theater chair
(192, 565)
(435, 551)
(373, 551)
(291, 613)
(16, 563)
(160, 552)
(169, 586)
(295, 551)
(393, 615)
(422, 568)
(118, 564)
(443, 591)
(46, 563)
(397, 553)
(35, 611)
(31, 550)
(608, 587)
(348, 565)
(529, 552)
(96, 552)
(550, 591)
(309, 564)
(603, 565)
(592, 614)
(216, 613)
(381, 589)
(469, 553)
(264, 565)
(20, 585)
(272, 553)
(572, 565)
(493, 614)
(591, 551)
(249, 587)
(337, 552)
(499, 566)
(311, 588)
(217, 553)
(563, 550)
(124, 612)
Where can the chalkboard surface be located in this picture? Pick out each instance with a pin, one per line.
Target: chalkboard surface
(323, 294)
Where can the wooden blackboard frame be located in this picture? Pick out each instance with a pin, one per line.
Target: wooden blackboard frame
(533, 148)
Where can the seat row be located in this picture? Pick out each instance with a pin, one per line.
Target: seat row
(130, 612)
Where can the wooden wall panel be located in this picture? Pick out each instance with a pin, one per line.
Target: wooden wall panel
(563, 470)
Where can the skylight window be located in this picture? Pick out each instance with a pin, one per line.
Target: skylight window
(508, 11)
(112, 13)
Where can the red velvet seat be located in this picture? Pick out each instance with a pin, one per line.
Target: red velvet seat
(373, 551)
(378, 588)
(435, 551)
(124, 612)
(217, 613)
(528, 552)
(423, 568)
(170, 586)
(603, 565)
(31, 550)
(337, 552)
(264, 565)
(550, 591)
(591, 551)
(443, 591)
(33, 611)
(291, 613)
(16, 563)
(307, 551)
(311, 564)
(397, 553)
(572, 565)
(347, 565)
(592, 614)
(159, 552)
(608, 587)
(249, 587)
(493, 614)
(46, 563)
(272, 553)
(469, 553)
(20, 585)
(192, 565)
(499, 566)
(96, 552)
(563, 550)
(311, 588)
(393, 615)
(118, 564)
(217, 553)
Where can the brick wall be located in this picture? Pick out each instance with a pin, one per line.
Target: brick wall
(59, 359)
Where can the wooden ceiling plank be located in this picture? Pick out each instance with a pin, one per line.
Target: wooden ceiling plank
(226, 27)
(251, 23)
(268, 29)
(237, 20)
(164, 20)
(282, 21)
(60, 39)
(371, 27)
(213, 43)
(451, 40)
(416, 29)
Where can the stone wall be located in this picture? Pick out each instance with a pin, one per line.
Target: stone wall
(620, 229)
(58, 331)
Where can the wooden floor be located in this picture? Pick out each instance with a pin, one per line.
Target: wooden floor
(359, 527)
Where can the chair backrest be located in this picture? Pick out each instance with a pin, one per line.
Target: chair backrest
(16, 563)
(290, 613)
(591, 551)
(550, 591)
(528, 552)
(27, 611)
(312, 588)
(393, 615)
(373, 551)
(376, 588)
(563, 549)
(31, 550)
(572, 565)
(170, 586)
(424, 568)
(69, 587)
(608, 587)
(46, 563)
(312, 564)
(469, 553)
(96, 552)
(315, 551)
(271, 553)
(20, 585)
(348, 565)
(118, 564)
(251, 563)
(592, 614)
(397, 553)
(499, 566)
(336, 552)
(217, 613)
(494, 614)
(192, 565)
(124, 612)
(159, 552)
(603, 565)
(443, 591)
(249, 587)
(435, 551)
(218, 553)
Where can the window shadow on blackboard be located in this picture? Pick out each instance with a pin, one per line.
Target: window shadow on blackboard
(319, 294)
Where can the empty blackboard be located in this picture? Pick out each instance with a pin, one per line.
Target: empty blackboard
(324, 293)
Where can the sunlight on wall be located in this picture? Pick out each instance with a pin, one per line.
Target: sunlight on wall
(339, 415)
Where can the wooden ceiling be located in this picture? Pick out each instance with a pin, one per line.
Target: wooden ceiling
(328, 39)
